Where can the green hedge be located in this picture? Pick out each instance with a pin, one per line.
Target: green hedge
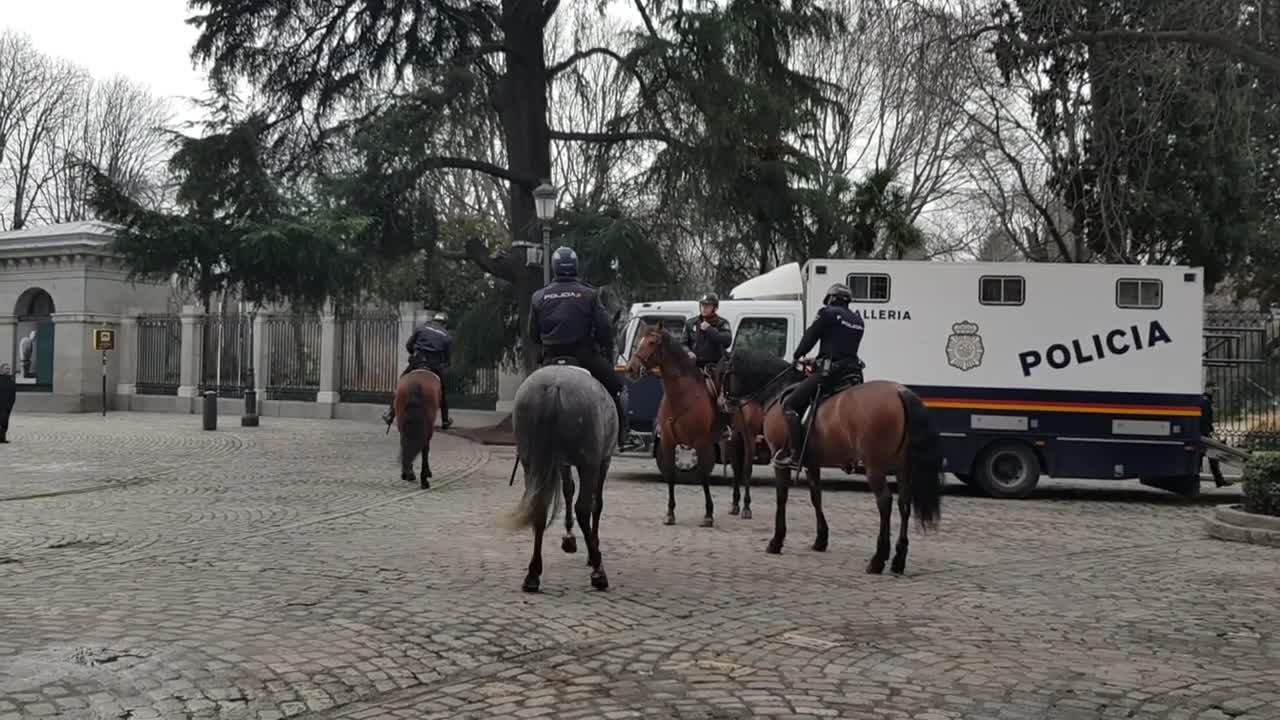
(1262, 484)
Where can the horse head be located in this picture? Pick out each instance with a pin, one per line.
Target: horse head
(650, 352)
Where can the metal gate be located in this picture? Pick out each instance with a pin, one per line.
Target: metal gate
(1242, 370)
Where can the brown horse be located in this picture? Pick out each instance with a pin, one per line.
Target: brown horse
(686, 416)
(417, 400)
(880, 424)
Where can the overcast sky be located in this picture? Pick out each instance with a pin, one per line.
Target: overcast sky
(146, 40)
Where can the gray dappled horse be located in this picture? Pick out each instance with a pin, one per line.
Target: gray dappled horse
(563, 419)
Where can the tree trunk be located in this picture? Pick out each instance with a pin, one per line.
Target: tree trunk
(522, 108)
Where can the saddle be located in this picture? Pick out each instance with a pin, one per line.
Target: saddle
(710, 379)
(842, 382)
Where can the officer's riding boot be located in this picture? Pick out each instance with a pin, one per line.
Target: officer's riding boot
(624, 437)
(446, 422)
(790, 456)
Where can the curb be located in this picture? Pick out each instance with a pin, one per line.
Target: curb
(1230, 523)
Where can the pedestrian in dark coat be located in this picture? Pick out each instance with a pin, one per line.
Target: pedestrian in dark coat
(8, 395)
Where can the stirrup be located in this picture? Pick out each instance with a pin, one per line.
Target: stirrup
(784, 461)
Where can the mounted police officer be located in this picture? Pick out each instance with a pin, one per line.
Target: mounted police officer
(568, 319)
(839, 329)
(707, 337)
(430, 348)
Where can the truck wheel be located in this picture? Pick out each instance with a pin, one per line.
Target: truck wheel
(1008, 470)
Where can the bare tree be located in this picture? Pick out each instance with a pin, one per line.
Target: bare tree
(121, 129)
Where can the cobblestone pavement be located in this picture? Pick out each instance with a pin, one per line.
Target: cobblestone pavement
(286, 571)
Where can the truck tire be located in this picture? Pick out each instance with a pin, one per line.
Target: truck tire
(1008, 470)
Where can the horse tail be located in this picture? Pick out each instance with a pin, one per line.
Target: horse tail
(413, 423)
(542, 460)
(923, 461)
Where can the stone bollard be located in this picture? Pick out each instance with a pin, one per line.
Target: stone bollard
(210, 410)
(250, 417)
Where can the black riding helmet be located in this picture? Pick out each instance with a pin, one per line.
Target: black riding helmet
(710, 299)
(564, 262)
(838, 294)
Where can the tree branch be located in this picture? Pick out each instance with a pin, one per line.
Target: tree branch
(1226, 44)
(610, 138)
(579, 56)
(436, 162)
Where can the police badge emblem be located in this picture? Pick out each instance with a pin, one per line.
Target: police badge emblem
(964, 346)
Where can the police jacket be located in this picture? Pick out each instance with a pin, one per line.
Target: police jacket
(708, 345)
(432, 340)
(839, 329)
(568, 313)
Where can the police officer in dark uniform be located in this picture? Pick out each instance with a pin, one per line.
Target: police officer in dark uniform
(430, 348)
(707, 337)
(568, 319)
(839, 329)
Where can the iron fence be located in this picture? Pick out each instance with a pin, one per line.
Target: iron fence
(472, 389)
(159, 354)
(226, 356)
(371, 357)
(293, 352)
(1242, 370)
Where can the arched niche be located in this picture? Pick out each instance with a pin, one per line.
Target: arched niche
(33, 339)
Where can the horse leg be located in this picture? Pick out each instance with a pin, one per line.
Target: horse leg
(706, 462)
(735, 462)
(748, 459)
(667, 450)
(585, 508)
(904, 510)
(884, 503)
(533, 580)
(598, 507)
(782, 481)
(569, 544)
(424, 480)
(815, 496)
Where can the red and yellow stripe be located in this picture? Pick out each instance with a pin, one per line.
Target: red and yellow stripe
(1063, 407)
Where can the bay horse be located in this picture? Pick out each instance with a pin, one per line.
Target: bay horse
(563, 418)
(686, 416)
(881, 424)
(417, 400)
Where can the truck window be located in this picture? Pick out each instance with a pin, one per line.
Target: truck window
(1139, 293)
(868, 287)
(763, 334)
(673, 324)
(1001, 290)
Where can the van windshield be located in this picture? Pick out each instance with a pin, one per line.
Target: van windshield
(673, 324)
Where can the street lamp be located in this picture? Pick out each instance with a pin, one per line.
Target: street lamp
(544, 205)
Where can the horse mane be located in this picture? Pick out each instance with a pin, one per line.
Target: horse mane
(761, 375)
(684, 364)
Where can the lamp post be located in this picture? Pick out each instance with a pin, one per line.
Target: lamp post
(544, 205)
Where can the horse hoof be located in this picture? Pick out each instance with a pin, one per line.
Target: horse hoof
(819, 545)
(746, 513)
(708, 522)
(670, 520)
(407, 477)
(898, 566)
(569, 544)
(599, 580)
(875, 567)
(424, 484)
(531, 585)
(733, 510)
(775, 547)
